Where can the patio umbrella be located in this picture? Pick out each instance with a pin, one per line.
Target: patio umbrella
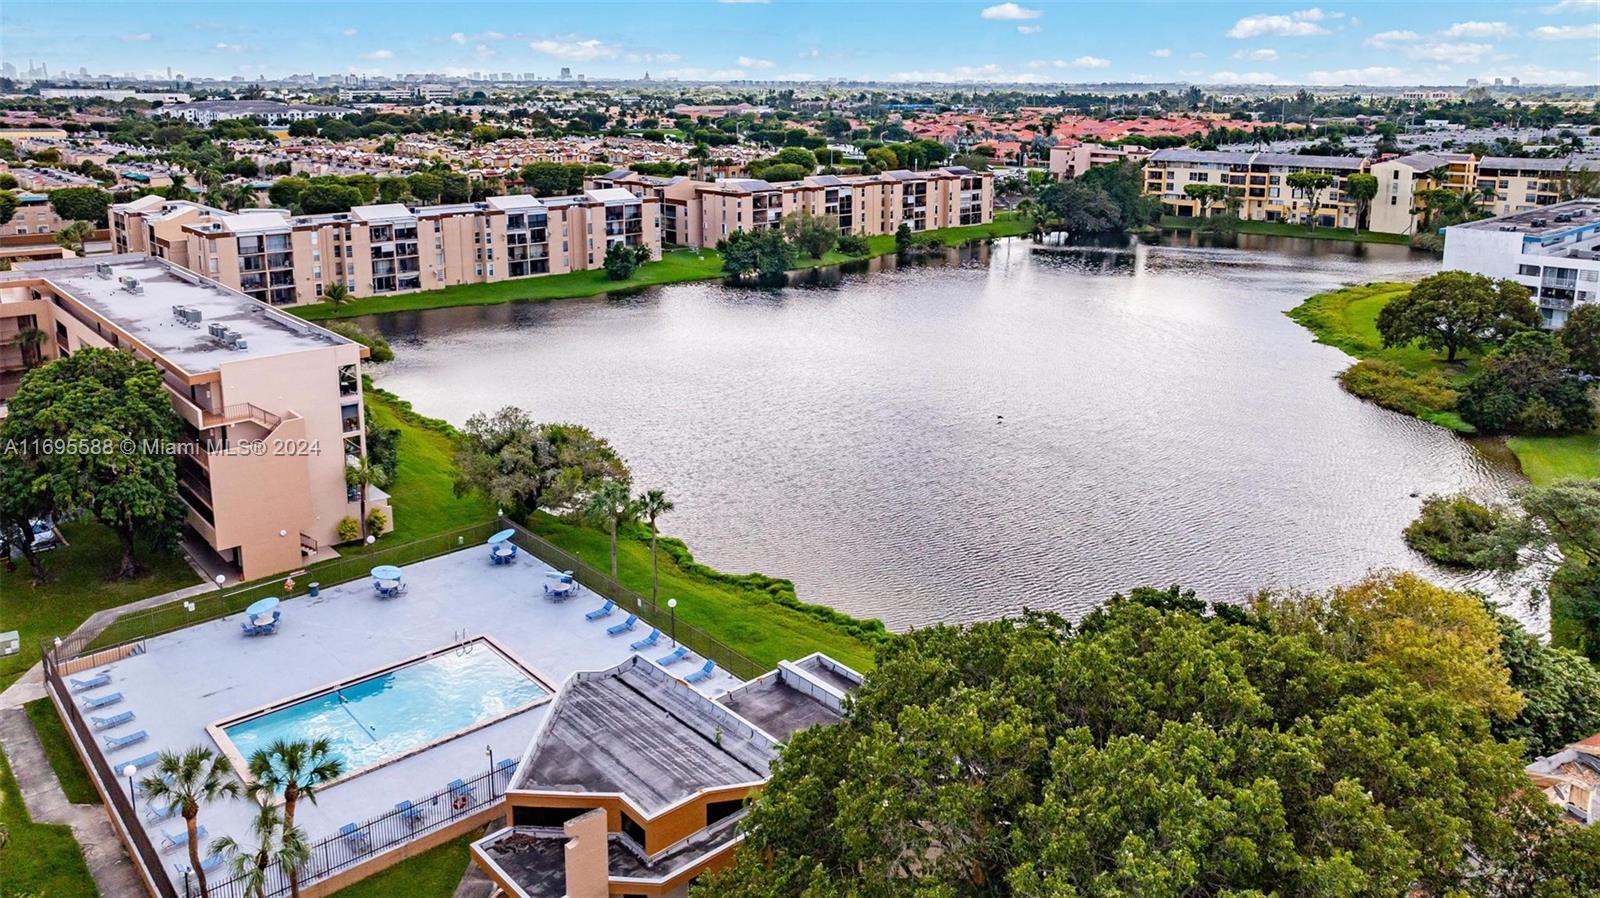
(385, 572)
(501, 537)
(262, 606)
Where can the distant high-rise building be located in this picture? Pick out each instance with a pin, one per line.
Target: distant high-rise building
(1499, 82)
(527, 76)
(566, 73)
(1516, 82)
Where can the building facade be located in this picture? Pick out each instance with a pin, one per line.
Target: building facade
(271, 406)
(1260, 182)
(1519, 185)
(1072, 161)
(207, 112)
(1554, 251)
(1398, 209)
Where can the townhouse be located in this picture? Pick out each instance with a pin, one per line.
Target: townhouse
(387, 248)
(1519, 185)
(1397, 209)
(1554, 251)
(33, 215)
(271, 406)
(1260, 182)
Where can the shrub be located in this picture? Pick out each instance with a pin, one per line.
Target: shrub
(349, 529)
(1527, 387)
(1458, 531)
(1397, 388)
(378, 347)
(376, 521)
(854, 245)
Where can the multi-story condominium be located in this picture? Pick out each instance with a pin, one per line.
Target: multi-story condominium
(33, 215)
(1261, 182)
(388, 248)
(1553, 251)
(1071, 161)
(271, 406)
(597, 810)
(1523, 184)
(205, 112)
(701, 213)
(1397, 209)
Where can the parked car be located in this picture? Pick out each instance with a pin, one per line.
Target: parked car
(45, 538)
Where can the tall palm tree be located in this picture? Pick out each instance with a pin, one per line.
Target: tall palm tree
(364, 474)
(31, 341)
(653, 504)
(611, 505)
(296, 770)
(73, 235)
(270, 841)
(188, 780)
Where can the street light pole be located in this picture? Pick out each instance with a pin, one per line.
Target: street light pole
(130, 772)
(490, 750)
(672, 606)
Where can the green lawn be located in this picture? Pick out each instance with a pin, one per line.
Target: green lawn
(673, 267)
(423, 495)
(41, 859)
(434, 873)
(1548, 459)
(1285, 229)
(76, 589)
(63, 757)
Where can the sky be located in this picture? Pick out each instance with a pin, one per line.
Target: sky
(1388, 43)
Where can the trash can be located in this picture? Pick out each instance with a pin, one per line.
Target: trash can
(314, 590)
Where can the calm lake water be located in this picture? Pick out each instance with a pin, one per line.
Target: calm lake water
(1014, 426)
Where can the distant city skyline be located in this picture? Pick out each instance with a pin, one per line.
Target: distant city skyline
(1378, 44)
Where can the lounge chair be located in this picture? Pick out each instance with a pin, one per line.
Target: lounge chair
(107, 723)
(678, 654)
(702, 673)
(409, 812)
(101, 701)
(115, 742)
(602, 611)
(625, 626)
(144, 761)
(209, 865)
(648, 641)
(356, 838)
(158, 813)
(506, 766)
(170, 841)
(461, 795)
(94, 682)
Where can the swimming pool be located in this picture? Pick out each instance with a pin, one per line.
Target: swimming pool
(398, 711)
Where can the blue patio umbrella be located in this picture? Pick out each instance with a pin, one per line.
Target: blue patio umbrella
(262, 606)
(501, 537)
(385, 572)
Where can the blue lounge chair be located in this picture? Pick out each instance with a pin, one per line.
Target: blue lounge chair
(625, 626)
(107, 723)
(702, 673)
(459, 790)
(356, 838)
(144, 761)
(209, 865)
(602, 611)
(506, 766)
(170, 841)
(101, 701)
(158, 813)
(115, 742)
(678, 654)
(648, 641)
(92, 683)
(409, 812)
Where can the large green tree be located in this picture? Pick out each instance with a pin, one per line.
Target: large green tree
(812, 234)
(1458, 312)
(1527, 386)
(528, 466)
(94, 429)
(764, 254)
(1580, 336)
(1361, 188)
(81, 204)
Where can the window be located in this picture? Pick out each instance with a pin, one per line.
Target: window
(348, 384)
(722, 810)
(1528, 270)
(632, 829)
(544, 817)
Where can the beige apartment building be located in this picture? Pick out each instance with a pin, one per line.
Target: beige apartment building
(33, 216)
(1397, 209)
(1523, 184)
(387, 248)
(1072, 161)
(271, 405)
(1261, 181)
(701, 213)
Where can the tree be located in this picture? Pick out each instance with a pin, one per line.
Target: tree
(1457, 311)
(780, 172)
(336, 293)
(765, 254)
(1361, 188)
(1560, 686)
(186, 781)
(882, 159)
(1580, 336)
(622, 260)
(1080, 207)
(107, 399)
(25, 496)
(1310, 185)
(1207, 194)
(31, 342)
(529, 466)
(609, 504)
(363, 475)
(903, 238)
(1559, 532)
(285, 192)
(812, 234)
(8, 205)
(81, 204)
(272, 841)
(295, 770)
(320, 198)
(73, 236)
(1458, 530)
(552, 178)
(425, 186)
(1527, 386)
(652, 504)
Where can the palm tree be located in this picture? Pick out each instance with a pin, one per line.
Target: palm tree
(611, 505)
(653, 504)
(73, 235)
(297, 770)
(336, 293)
(197, 776)
(364, 474)
(271, 841)
(31, 341)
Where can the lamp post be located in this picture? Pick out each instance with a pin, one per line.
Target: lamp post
(672, 606)
(490, 750)
(130, 772)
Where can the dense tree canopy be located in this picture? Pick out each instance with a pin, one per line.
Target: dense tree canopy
(764, 254)
(1527, 386)
(526, 466)
(81, 204)
(1458, 312)
(1580, 336)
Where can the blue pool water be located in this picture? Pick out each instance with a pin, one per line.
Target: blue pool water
(393, 713)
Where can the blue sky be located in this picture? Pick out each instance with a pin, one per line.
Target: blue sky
(1556, 41)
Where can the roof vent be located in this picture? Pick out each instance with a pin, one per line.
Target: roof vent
(103, 270)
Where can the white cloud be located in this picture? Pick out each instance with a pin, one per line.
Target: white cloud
(1571, 6)
(698, 74)
(654, 57)
(750, 62)
(1375, 74)
(1262, 55)
(1478, 29)
(227, 48)
(574, 49)
(810, 53)
(140, 38)
(1245, 78)
(1383, 40)
(990, 73)
(1085, 62)
(464, 39)
(1446, 52)
(1028, 29)
(1162, 53)
(378, 54)
(458, 38)
(348, 32)
(1010, 12)
(1295, 24)
(1567, 32)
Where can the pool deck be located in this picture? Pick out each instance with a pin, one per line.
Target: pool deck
(209, 672)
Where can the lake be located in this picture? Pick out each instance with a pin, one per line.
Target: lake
(1011, 426)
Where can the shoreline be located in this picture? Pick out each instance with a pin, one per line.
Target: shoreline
(1283, 229)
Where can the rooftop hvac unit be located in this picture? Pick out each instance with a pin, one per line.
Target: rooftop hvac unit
(217, 331)
(192, 317)
(180, 313)
(103, 270)
(131, 284)
(238, 342)
(1540, 222)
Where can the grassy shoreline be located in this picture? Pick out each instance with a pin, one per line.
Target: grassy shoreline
(675, 267)
(1285, 229)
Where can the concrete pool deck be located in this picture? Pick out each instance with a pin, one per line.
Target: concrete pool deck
(193, 677)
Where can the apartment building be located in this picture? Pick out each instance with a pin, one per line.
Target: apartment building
(1397, 209)
(1523, 184)
(207, 112)
(271, 406)
(701, 213)
(388, 248)
(1552, 250)
(1072, 161)
(33, 215)
(1261, 181)
(593, 810)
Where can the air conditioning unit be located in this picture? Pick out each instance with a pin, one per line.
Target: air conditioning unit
(217, 331)
(103, 270)
(131, 284)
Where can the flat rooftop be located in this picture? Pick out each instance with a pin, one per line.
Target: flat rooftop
(778, 709)
(1545, 221)
(147, 315)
